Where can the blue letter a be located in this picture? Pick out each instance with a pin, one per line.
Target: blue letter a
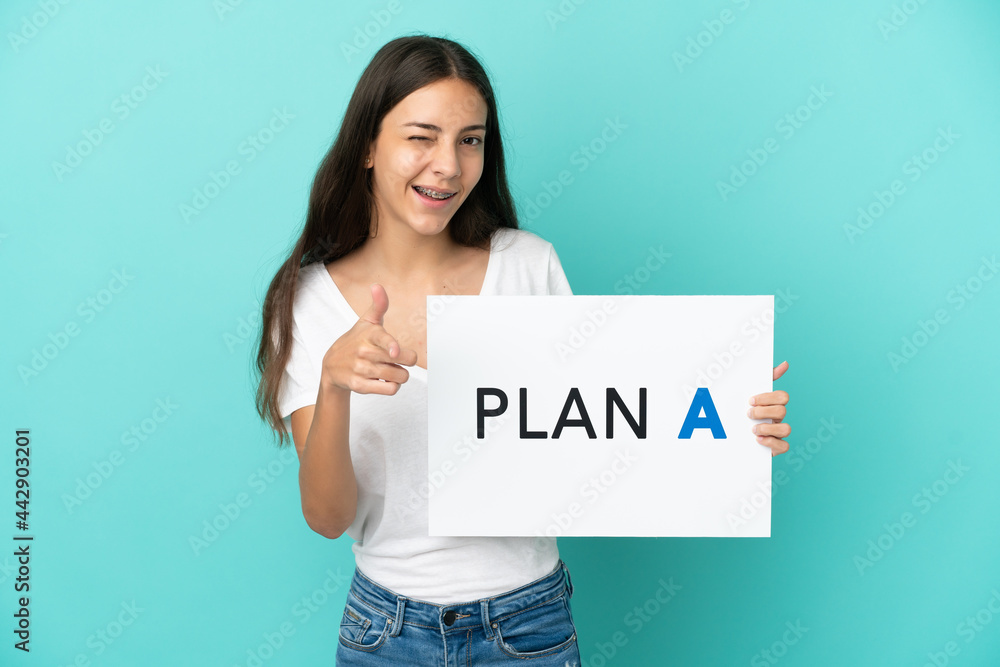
(702, 401)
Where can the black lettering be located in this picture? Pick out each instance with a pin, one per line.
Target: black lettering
(614, 399)
(482, 413)
(584, 420)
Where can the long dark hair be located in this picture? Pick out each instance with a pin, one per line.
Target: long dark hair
(342, 211)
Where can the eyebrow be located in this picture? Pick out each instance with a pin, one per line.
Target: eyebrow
(435, 128)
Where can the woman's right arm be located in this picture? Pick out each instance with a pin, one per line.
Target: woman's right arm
(326, 475)
(366, 360)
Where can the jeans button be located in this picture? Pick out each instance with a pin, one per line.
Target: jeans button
(449, 617)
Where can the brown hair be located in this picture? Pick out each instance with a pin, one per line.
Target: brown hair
(341, 211)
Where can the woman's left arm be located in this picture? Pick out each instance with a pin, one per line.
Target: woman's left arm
(771, 405)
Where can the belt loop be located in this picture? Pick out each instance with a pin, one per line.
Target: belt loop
(485, 607)
(569, 580)
(400, 604)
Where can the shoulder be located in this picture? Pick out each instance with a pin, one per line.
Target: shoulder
(526, 263)
(311, 273)
(314, 301)
(521, 243)
(308, 286)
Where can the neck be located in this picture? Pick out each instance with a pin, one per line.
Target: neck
(400, 254)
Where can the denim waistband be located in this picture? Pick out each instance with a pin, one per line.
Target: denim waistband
(462, 615)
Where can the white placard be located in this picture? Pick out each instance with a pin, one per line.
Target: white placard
(537, 471)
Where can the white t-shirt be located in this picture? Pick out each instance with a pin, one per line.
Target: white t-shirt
(388, 442)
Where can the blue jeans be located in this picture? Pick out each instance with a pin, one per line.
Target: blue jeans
(532, 623)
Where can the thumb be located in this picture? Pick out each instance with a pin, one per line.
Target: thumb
(380, 304)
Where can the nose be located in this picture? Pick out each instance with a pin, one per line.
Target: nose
(445, 162)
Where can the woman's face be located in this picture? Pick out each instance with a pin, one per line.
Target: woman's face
(432, 140)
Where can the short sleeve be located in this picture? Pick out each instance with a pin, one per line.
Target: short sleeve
(300, 380)
(557, 283)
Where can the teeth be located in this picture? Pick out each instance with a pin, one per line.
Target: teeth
(431, 193)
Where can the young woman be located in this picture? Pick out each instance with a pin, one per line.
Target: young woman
(411, 200)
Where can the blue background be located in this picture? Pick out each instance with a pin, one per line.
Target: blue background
(183, 328)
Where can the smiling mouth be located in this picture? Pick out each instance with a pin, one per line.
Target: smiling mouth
(433, 194)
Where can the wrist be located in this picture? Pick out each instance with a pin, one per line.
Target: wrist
(332, 389)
